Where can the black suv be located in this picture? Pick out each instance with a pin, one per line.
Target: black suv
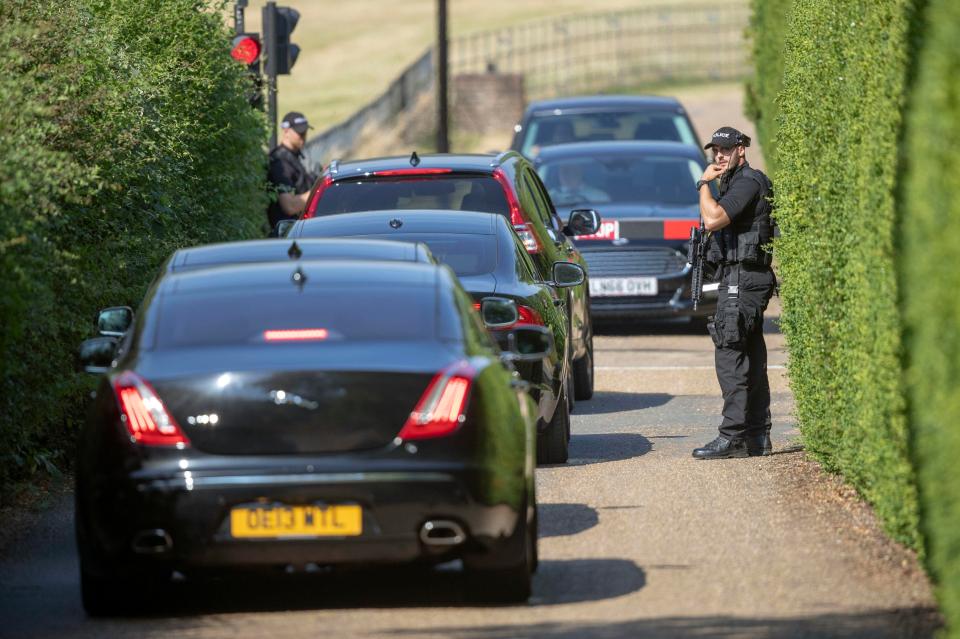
(506, 184)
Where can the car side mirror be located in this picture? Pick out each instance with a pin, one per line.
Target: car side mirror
(582, 222)
(567, 274)
(529, 343)
(282, 228)
(114, 321)
(498, 312)
(96, 354)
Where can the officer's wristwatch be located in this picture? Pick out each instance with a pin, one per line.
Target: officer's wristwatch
(700, 184)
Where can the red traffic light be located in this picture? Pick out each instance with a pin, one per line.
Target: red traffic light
(246, 49)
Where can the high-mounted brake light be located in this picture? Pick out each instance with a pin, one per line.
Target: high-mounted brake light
(516, 217)
(144, 415)
(311, 209)
(412, 172)
(441, 409)
(296, 335)
(527, 317)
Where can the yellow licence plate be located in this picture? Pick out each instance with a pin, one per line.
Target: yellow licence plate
(274, 521)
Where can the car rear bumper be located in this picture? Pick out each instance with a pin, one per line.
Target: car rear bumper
(187, 517)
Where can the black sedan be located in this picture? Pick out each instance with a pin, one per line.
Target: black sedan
(506, 184)
(646, 193)
(283, 414)
(490, 260)
(599, 118)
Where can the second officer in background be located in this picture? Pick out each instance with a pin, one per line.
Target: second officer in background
(287, 175)
(741, 231)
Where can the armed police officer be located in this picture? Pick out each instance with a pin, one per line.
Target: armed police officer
(287, 175)
(741, 230)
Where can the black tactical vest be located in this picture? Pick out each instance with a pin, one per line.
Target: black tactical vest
(747, 240)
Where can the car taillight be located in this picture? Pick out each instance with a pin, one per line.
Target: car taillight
(311, 209)
(528, 317)
(440, 411)
(522, 229)
(144, 415)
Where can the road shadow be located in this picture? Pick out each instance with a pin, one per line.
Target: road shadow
(560, 520)
(679, 326)
(614, 402)
(607, 447)
(872, 624)
(556, 582)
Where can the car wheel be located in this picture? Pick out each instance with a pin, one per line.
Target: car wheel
(511, 580)
(553, 443)
(583, 373)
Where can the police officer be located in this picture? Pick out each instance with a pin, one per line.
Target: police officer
(741, 231)
(287, 175)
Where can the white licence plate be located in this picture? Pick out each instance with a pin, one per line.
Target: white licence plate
(622, 286)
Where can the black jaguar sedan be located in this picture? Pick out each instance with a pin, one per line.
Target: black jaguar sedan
(490, 260)
(646, 193)
(281, 414)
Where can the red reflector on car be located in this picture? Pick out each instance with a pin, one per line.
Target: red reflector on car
(441, 409)
(296, 334)
(144, 415)
(522, 228)
(678, 229)
(412, 172)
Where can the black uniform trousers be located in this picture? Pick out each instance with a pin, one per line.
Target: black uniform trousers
(741, 353)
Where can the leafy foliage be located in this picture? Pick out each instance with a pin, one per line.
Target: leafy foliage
(767, 36)
(839, 112)
(126, 135)
(930, 281)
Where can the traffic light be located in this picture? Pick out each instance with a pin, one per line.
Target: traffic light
(278, 24)
(246, 48)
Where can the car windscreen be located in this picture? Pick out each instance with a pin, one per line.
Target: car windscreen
(599, 179)
(319, 313)
(548, 129)
(465, 253)
(459, 192)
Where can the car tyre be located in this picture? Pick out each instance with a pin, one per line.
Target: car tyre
(512, 580)
(553, 443)
(583, 373)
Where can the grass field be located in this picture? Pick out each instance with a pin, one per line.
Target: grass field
(352, 49)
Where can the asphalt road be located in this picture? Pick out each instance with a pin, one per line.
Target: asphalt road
(637, 539)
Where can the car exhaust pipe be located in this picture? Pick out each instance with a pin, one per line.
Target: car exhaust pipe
(152, 542)
(442, 532)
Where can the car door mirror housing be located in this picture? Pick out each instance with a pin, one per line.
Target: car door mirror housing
(582, 222)
(114, 321)
(282, 228)
(96, 355)
(567, 274)
(529, 343)
(498, 312)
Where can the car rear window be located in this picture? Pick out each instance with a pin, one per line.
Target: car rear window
(465, 253)
(332, 313)
(548, 130)
(599, 179)
(453, 192)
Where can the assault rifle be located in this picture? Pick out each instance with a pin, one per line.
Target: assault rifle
(695, 258)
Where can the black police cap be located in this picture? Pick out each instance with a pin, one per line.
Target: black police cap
(727, 136)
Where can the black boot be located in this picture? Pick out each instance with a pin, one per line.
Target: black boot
(758, 444)
(722, 448)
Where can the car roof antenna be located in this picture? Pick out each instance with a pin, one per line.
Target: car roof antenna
(414, 159)
(299, 278)
(295, 253)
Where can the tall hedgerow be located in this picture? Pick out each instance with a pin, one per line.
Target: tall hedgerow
(930, 281)
(837, 134)
(126, 134)
(767, 36)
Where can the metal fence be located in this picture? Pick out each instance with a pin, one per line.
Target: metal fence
(576, 54)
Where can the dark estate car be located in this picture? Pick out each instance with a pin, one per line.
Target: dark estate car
(490, 260)
(646, 193)
(601, 117)
(281, 414)
(505, 184)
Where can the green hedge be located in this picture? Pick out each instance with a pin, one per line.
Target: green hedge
(767, 36)
(930, 281)
(836, 140)
(125, 135)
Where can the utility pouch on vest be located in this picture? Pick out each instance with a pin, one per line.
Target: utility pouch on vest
(714, 254)
(730, 326)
